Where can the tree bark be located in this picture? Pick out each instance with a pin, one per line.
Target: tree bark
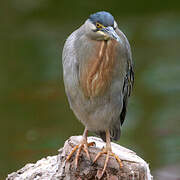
(55, 167)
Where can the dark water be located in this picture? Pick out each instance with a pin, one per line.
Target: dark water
(34, 113)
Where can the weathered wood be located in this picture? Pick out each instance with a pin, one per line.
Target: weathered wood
(55, 167)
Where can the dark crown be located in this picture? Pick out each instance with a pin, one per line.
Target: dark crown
(102, 17)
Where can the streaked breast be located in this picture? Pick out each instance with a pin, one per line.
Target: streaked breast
(97, 74)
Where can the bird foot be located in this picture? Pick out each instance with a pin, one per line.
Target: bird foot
(83, 145)
(108, 153)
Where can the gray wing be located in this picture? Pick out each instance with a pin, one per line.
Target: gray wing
(70, 68)
(127, 88)
(128, 79)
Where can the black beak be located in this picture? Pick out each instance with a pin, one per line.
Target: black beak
(111, 33)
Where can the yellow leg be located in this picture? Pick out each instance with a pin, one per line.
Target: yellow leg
(83, 145)
(107, 150)
(72, 152)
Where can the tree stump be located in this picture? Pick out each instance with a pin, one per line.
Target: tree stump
(56, 168)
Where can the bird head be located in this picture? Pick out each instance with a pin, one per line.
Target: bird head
(101, 26)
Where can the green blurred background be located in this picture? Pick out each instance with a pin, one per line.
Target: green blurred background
(35, 118)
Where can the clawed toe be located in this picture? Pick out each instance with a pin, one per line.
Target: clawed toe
(108, 151)
(83, 145)
(108, 154)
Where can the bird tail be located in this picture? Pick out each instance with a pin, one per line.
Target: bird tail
(115, 133)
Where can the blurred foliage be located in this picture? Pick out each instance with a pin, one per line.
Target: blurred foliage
(35, 116)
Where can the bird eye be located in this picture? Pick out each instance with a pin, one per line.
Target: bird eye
(98, 25)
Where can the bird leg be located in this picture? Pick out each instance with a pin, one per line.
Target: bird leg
(108, 151)
(83, 145)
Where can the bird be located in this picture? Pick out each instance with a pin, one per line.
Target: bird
(98, 74)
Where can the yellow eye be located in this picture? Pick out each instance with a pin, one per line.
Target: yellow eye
(98, 25)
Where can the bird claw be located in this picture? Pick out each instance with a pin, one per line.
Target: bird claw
(83, 145)
(109, 153)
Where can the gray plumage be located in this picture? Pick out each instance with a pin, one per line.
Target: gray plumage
(98, 81)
